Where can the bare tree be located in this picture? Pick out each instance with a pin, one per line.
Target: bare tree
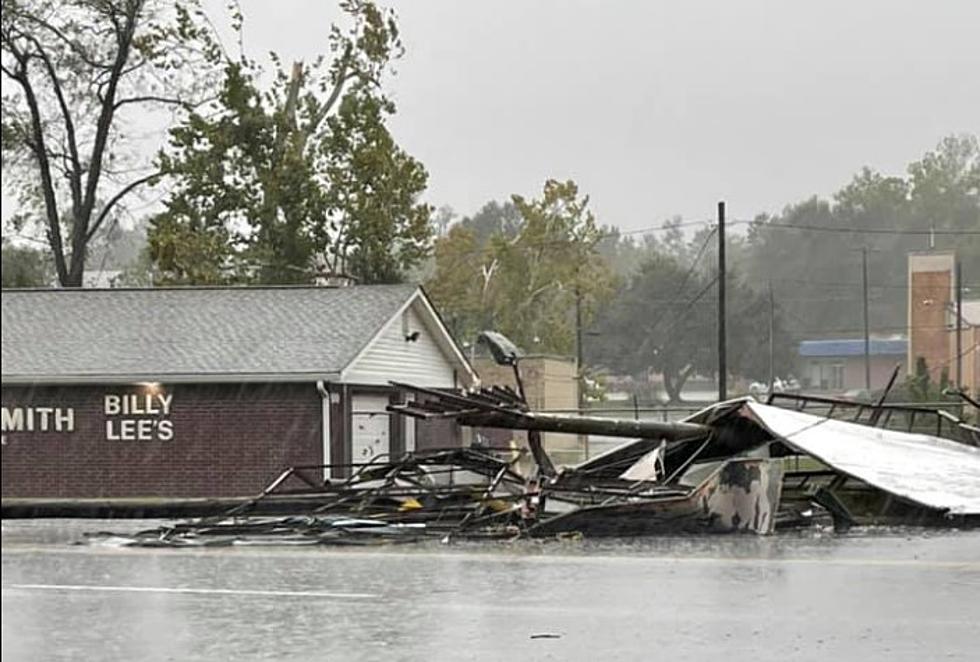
(84, 70)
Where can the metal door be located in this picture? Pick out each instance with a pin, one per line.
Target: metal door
(371, 427)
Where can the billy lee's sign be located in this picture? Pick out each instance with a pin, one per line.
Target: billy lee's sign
(128, 417)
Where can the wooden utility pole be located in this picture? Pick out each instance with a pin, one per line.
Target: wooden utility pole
(772, 326)
(959, 325)
(722, 344)
(579, 368)
(867, 328)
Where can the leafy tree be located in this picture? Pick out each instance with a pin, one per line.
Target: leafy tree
(274, 186)
(647, 326)
(664, 319)
(817, 271)
(494, 219)
(25, 267)
(460, 282)
(944, 191)
(526, 279)
(625, 253)
(79, 71)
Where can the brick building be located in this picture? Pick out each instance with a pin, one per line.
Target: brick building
(210, 391)
(933, 323)
(931, 294)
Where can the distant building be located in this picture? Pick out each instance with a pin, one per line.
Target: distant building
(970, 341)
(932, 290)
(838, 365)
(932, 321)
(550, 383)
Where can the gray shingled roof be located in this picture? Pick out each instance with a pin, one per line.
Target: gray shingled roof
(211, 332)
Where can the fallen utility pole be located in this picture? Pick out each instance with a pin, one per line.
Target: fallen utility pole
(494, 408)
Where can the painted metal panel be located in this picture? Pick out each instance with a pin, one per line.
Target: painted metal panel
(405, 351)
(741, 494)
(854, 347)
(935, 472)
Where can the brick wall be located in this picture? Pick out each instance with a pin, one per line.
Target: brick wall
(930, 294)
(228, 440)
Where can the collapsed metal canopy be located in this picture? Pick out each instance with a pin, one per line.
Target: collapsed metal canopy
(929, 470)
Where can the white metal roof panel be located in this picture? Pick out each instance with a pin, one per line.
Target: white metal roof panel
(929, 470)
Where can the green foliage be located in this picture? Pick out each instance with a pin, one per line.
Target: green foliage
(919, 387)
(377, 226)
(494, 219)
(275, 186)
(75, 72)
(818, 273)
(25, 267)
(522, 273)
(664, 319)
(653, 323)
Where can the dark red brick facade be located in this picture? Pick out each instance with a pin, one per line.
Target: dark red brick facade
(227, 440)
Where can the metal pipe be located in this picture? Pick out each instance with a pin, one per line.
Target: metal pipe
(321, 388)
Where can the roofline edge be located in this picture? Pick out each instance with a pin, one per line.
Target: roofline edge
(214, 378)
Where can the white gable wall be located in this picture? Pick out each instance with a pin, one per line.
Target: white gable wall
(392, 358)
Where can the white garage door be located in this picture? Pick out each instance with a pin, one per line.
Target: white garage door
(371, 427)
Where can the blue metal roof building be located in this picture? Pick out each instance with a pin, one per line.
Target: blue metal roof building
(853, 347)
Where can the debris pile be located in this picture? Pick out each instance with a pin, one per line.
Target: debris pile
(737, 466)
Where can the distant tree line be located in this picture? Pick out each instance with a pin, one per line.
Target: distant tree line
(651, 298)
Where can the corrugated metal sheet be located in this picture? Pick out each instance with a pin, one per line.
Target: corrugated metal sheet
(393, 358)
(931, 471)
(854, 347)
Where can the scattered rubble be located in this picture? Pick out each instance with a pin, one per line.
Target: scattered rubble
(737, 466)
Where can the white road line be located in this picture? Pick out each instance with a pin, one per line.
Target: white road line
(195, 591)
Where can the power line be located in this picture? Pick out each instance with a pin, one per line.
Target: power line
(690, 304)
(684, 280)
(843, 230)
(614, 233)
(663, 228)
(855, 284)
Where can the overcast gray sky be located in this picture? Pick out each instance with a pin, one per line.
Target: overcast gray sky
(661, 108)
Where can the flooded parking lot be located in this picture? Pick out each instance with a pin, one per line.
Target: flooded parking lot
(894, 594)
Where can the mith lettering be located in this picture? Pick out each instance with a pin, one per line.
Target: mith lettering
(37, 419)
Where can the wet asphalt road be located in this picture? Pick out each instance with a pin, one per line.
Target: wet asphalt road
(893, 595)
